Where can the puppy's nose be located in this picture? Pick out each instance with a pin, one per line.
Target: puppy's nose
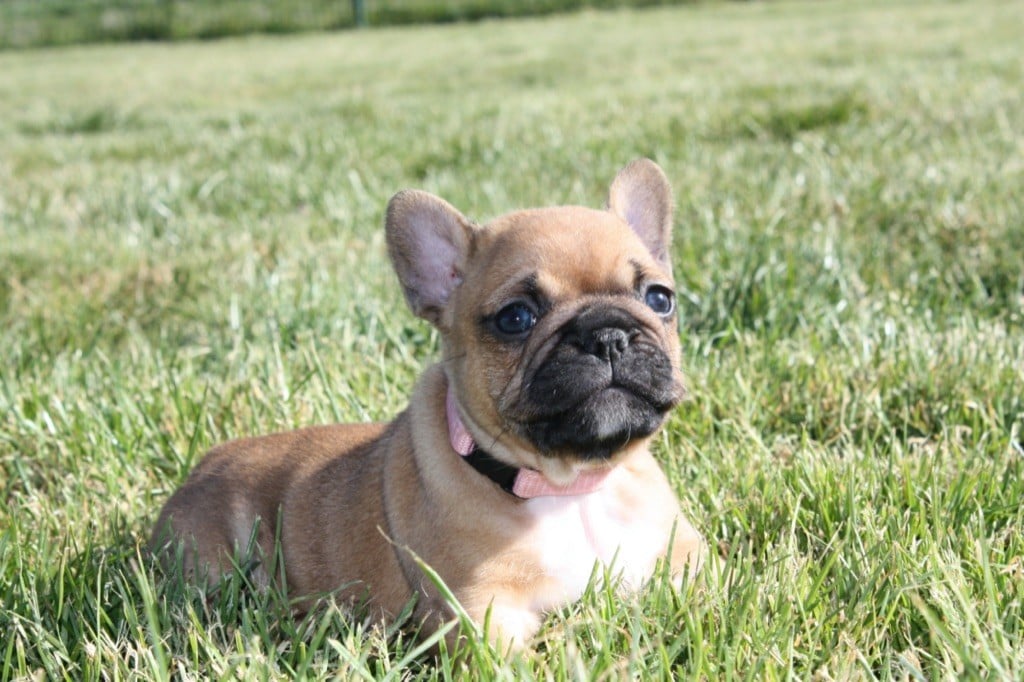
(602, 332)
(608, 343)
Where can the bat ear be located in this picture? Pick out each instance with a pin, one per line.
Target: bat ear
(642, 196)
(428, 240)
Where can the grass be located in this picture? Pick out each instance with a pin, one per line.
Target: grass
(35, 23)
(192, 250)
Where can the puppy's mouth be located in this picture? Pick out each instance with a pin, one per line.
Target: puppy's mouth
(604, 384)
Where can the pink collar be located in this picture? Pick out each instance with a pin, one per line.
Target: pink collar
(527, 483)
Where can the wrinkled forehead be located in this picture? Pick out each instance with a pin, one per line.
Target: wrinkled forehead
(567, 250)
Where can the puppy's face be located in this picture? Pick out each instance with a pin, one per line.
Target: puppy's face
(559, 324)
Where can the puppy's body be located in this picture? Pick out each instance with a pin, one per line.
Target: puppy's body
(573, 396)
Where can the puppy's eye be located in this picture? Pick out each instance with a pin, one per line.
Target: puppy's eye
(660, 300)
(515, 319)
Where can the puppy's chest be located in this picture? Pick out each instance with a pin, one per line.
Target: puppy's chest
(569, 535)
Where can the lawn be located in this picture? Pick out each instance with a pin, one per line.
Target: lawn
(191, 249)
(35, 23)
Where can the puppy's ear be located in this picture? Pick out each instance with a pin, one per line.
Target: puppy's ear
(641, 195)
(428, 240)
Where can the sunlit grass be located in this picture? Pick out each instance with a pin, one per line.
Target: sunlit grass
(192, 250)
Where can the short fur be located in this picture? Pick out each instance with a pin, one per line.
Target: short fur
(586, 387)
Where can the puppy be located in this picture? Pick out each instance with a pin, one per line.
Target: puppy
(522, 459)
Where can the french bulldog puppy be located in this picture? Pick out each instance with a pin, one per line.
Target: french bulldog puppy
(522, 459)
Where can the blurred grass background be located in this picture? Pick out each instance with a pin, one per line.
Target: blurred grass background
(34, 23)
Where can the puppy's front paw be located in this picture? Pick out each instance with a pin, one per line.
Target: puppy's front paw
(688, 551)
(509, 628)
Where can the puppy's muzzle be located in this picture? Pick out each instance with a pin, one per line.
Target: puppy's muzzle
(606, 381)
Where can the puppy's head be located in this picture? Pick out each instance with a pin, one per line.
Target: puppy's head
(559, 324)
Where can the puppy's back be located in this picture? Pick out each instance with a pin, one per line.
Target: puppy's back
(239, 487)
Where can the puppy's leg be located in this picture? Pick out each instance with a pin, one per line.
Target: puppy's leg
(510, 624)
(206, 534)
(687, 548)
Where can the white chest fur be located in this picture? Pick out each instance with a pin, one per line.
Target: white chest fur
(569, 535)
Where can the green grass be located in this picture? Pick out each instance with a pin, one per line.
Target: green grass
(35, 23)
(192, 250)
